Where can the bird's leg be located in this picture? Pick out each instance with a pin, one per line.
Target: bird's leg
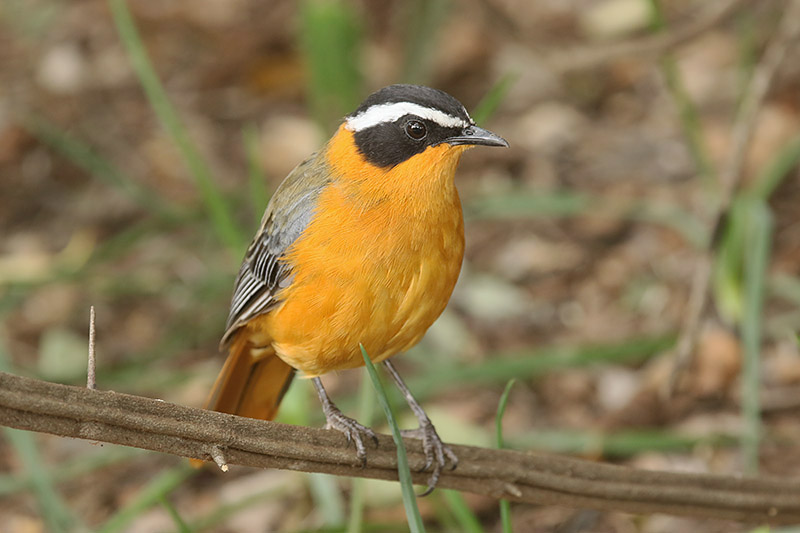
(437, 453)
(335, 419)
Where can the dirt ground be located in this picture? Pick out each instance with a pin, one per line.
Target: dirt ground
(585, 233)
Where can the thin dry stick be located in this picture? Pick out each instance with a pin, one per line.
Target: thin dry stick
(786, 37)
(584, 58)
(730, 178)
(91, 376)
(525, 477)
(218, 456)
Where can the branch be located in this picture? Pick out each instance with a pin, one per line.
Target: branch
(524, 477)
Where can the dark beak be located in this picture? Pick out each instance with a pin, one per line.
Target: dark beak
(477, 136)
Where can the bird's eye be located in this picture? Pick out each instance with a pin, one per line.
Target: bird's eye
(416, 129)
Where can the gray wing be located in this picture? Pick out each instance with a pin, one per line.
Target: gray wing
(263, 272)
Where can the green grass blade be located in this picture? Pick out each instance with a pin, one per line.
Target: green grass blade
(355, 519)
(324, 489)
(85, 157)
(570, 204)
(531, 363)
(212, 518)
(505, 505)
(779, 168)
(366, 404)
(529, 204)
(409, 498)
(327, 498)
(220, 213)
(687, 111)
(755, 270)
(445, 519)
(182, 526)
(54, 511)
(81, 466)
(492, 100)
(331, 38)
(728, 264)
(150, 495)
(620, 444)
(501, 409)
(465, 518)
(690, 122)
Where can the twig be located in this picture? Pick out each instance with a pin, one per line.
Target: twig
(526, 477)
(91, 376)
(218, 456)
(582, 58)
(730, 178)
(787, 34)
(699, 298)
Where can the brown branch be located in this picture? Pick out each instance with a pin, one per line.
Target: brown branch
(525, 477)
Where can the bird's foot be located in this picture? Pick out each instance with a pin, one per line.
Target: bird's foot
(437, 453)
(354, 431)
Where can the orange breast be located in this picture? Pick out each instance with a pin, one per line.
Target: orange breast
(376, 264)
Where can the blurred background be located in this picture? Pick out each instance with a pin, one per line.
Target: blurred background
(139, 144)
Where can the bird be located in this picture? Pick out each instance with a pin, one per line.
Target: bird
(360, 245)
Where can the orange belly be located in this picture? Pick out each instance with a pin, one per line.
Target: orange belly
(374, 273)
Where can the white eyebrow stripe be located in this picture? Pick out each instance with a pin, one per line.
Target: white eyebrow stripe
(380, 113)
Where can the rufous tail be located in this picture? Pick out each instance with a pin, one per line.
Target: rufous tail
(252, 382)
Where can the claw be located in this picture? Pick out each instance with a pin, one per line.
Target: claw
(352, 430)
(437, 453)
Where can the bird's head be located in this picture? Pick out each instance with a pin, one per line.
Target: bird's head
(399, 122)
